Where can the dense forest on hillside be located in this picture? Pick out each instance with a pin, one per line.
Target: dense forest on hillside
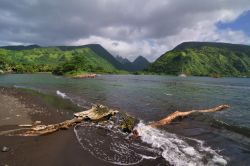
(205, 59)
(139, 64)
(190, 58)
(53, 59)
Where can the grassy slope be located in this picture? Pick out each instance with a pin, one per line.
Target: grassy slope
(205, 59)
(48, 59)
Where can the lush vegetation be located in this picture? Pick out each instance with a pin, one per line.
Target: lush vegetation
(139, 64)
(53, 59)
(205, 59)
(191, 58)
(83, 61)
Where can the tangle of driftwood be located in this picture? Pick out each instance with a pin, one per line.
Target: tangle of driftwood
(100, 113)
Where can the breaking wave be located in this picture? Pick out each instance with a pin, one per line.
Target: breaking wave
(61, 94)
(106, 142)
(176, 150)
(109, 144)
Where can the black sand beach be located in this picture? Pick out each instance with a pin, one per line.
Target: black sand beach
(60, 148)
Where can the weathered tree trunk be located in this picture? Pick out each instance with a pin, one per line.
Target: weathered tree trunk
(96, 113)
(99, 113)
(176, 114)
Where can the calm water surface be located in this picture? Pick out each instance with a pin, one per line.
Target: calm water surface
(150, 98)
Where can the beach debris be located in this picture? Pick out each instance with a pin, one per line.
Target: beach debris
(96, 113)
(25, 125)
(5, 149)
(37, 122)
(102, 113)
(127, 123)
(168, 119)
(87, 75)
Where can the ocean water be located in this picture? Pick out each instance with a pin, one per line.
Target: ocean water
(221, 138)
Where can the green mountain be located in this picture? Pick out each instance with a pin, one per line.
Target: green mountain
(26, 59)
(205, 59)
(20, 47)
(34, 58)
(139, 64)
(99, 50)
(122, 60)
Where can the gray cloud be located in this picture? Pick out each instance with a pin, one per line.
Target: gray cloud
(139, 27)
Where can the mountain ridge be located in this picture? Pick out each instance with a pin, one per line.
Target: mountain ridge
(205, 59)
(54, 50)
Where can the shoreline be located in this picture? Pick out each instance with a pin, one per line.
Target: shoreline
(61, 148)
(135, 74)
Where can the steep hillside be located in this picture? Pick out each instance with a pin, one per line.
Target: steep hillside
(205, 59)
(140, 63)
(99, 50)
(48, 59)
(122, 60)
(84, 60)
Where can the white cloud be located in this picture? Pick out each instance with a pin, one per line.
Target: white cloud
(129, 50)
(139, 27)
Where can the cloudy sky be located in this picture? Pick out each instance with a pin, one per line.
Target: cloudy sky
(125, 27)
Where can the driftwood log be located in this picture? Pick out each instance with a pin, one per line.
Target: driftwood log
(168, 119)
(99, 113)
(96, 113)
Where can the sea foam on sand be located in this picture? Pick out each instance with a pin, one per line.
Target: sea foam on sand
(176, 150)
(109, 144)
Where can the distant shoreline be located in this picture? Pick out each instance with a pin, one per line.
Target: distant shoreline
(147, 74)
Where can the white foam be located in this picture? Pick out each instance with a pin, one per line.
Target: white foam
(176, 150)
(109, 146)
(149, 157)
(63, 95)
(168, 94)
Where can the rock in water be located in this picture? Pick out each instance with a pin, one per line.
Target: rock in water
(5, 149)
(128, 123)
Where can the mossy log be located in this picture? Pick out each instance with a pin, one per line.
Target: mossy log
(127, 123)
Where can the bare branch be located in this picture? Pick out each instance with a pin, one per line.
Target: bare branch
(167, 120)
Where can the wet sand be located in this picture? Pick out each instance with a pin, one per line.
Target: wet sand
(60, 148)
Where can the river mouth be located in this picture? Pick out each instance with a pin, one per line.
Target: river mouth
(150, 98)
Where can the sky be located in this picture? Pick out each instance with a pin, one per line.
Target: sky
(124, 27)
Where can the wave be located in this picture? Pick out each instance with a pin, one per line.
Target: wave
(63, 95)
(176, 150)
(80, 102)
(106, 142)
